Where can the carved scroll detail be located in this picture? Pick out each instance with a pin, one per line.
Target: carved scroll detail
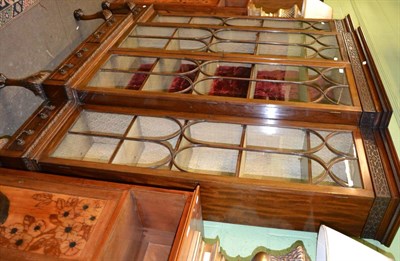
(32, 83)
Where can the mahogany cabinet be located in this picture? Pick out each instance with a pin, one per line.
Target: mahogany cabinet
(282, 122)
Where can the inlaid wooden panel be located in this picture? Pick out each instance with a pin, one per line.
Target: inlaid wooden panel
(57, 218)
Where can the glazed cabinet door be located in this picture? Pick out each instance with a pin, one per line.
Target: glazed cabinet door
(281, 69)
(254, 161)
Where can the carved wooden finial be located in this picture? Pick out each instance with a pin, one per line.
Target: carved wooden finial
(106, 5)
(261, 256)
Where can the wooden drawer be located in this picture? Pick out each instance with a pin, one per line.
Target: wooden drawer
(51, 218)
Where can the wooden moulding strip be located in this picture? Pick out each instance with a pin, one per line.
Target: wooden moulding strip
(36, 123)
(89, 51)
(348, 23)
(380, 183)
(99, 52)
(48, 133)
(229, 106)
(369, 112)
(391, 163)
(377, 88)
(190, 221)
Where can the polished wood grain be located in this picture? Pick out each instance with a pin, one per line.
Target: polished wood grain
(125, 221)
(391, 164)
(261, 203)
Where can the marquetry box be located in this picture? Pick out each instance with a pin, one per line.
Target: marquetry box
(282, 122)
(57, 218)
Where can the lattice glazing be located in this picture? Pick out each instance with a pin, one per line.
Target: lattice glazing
(305, 155)
(234, 79)
(149, 74)
(254, 42)
(240, 21)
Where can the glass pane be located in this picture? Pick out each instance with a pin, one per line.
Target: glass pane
(125, 72)
(143, 154)
(170, 19)
(118, 80)
(168, 83)
(188, 45)
(153, 31)
(278, 138)
(154, 128)
(340, 157)
(132, 63)
(286, 50)
(314, 40)
(232, 47)
(218, 86)
(226, 34)
(293, 24)
(193, 33)
(86, 148)
(243, 22)
(267, 165)
(122, 71)
(207, 20)
(298, 45)
(348, 172)
(144, 42)
(223, 82)
(301, 84)
(166, 65)
(207, 160)
(158, 37)
(226, 69)
(213, 133)
(341, 143)
(106, 123)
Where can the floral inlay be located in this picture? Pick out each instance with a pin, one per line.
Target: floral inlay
(65, 231)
